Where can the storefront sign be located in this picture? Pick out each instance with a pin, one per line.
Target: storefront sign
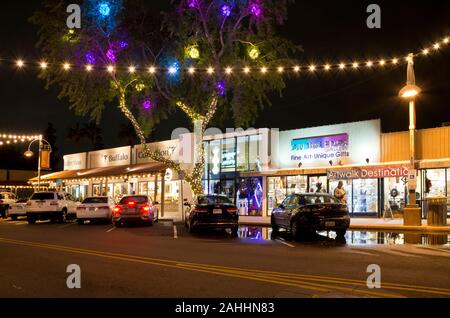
(168, 149)
(368, 173)
(340, 144)
(75, 162)
(316, 148)
(168, 175)
(110, 157)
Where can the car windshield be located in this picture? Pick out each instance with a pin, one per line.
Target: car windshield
(211, 200)
(317, 199)
(43, 196)
(96, 200)
(137, 199)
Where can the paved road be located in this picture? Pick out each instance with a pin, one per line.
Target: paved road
(166, 261)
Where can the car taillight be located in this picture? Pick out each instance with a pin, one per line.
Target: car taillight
(232, 210)
(145, 209)
(132, 204)
(200, 210)
(117, 210)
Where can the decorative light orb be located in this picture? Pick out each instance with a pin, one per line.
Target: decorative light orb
(355, 65)
(246, 70)
(312, 68)
(191, 70)
(152, 70)
(369, 64)
(132, 69)
(296, 68)
(446, 40)
(341, 66)
(253, 52)
(395, 61)
(264, 70)
(104, 9)
(140, 87)
(382, 62)
(425, 51)
(147, 104)
(328, 67)
(193, 52)
(210, 70)
(110, 68)
(90, 58)
(255, 9)
(220, 88)
(20, 63)
(437, 46)
(89, 68)
(192, 3)
(228, 70)
(123, 44)
(280, 69)
(173, 68)
(225, 10)
(66, 66)
(111, 55)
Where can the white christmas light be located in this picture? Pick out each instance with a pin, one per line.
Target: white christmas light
(20, 63)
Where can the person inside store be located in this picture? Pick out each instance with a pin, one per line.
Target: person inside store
(340, 193)
(319, 187)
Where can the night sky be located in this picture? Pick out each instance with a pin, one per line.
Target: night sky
(328, 31)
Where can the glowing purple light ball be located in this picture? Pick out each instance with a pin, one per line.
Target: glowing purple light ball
(147, 104)
(111, 55)
(220, 88)
(90, 58)
(225, 10)
(255, 9)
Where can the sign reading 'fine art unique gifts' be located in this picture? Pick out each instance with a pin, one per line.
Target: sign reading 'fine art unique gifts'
(317, 148)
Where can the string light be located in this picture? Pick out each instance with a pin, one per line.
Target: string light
(16, 138)
(174, 68)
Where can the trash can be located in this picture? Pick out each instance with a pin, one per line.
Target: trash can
(437, 211)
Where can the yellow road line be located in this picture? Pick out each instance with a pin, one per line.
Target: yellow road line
(266, 276)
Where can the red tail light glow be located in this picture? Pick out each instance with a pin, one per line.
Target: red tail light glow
(117, 210)
(232, 210)
(146, 209)
(81, 208)
(132, 204)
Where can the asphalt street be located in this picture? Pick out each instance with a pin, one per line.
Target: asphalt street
(164, 261)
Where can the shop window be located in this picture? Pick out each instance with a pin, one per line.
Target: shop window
(242, 163)
(254, 152)
(215, 159)
(228, 163)
(250, 196)
(276, 192)
(395, 194)
(448, 190)
(348, 187)
(297, 184)
(318, 184)
(365, 196)
(171, 196)
(438, 182)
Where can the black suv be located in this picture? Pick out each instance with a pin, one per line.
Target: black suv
(303, 214)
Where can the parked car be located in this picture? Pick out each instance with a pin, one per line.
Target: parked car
(135, 209)
(303, 214)
(51, 205)
(18, 209)
(95, 209)
(212, 212)
(6, 199)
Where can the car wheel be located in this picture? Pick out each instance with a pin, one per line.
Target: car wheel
(14, 217)
(341, 233)
(80, 222)
(275, 227)
(295, 231)
(234, 231)
(31, 220)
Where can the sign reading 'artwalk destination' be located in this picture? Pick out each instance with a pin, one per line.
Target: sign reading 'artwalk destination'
(368, 173)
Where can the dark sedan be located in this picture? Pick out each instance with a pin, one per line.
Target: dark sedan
(212, 212)
(303, 214)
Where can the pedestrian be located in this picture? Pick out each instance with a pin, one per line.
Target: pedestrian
(319, 187)
(340, 193)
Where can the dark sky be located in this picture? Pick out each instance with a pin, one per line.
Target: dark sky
(328, 31)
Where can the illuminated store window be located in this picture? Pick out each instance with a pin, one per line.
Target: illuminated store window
(365, 196)
(242, 163)
(348, 187)
(438, 182)
(297, 184)
(250, 196)
(228, 163)
(254, 152)
(215, 159)
(276, 192)
(171, 196)
(448, 191)
(395, 194)
(318, 181)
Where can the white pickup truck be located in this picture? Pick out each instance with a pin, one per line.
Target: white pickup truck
(51, 205)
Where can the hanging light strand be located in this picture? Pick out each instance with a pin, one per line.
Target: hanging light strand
(260, 69)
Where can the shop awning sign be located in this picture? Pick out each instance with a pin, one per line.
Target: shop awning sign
(368, 173)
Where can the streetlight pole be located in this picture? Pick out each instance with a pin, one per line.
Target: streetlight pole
(30, 154)
(410, 92)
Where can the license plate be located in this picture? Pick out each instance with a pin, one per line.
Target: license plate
(217, 211)
(330, 223)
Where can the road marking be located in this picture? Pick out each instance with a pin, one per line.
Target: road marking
(302, 281)
(111, 229)
(175, 232)
(20, 223)
(285, 243)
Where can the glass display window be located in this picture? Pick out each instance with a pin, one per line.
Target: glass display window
(318, 184)
(276, 192)
(348, 187)
(171, 196)
(448, 190)
(365, 196)
(254, 148)
(438, 182)
(250, 196)
(228, 162)
(395, 194)
(297, 184)
(242, 163)
(215, 159)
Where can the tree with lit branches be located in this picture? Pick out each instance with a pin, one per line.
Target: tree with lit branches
(195, 57)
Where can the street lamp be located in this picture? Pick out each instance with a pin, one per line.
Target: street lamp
(30, 154)
(410, 92)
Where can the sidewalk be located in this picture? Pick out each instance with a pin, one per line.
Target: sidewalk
(364, 224)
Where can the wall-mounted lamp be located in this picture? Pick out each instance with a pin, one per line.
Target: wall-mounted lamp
(300, 164)
(330, 162)
(367, 160)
